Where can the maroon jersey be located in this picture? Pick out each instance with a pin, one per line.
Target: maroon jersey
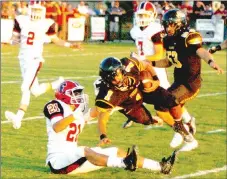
(126, 96)
(181, 52)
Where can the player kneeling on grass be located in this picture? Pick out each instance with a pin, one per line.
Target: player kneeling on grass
(65, 121)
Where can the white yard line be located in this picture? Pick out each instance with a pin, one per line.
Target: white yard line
(76, 77)
(51, 79)
(200, 173)
(216, 131)
(39, 117)
(211, 94)
(72, 55)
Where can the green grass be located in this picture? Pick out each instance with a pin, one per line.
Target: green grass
(24, 151)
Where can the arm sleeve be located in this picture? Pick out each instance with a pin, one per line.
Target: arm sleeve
(16, 27)
(53, 109)
(157, 38)
(51, 30)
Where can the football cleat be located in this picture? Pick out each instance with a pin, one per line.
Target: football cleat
(127, 124)
(192, 126)
(13, 118)
(167, 164)
(188, 146)
(130, 160)
(178, 138)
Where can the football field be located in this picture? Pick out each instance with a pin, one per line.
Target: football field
(23, 151)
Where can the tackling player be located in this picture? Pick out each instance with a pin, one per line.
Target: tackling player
(30, 32)
(127, 83)
(65, 121)
(148, 36)
(183, 51)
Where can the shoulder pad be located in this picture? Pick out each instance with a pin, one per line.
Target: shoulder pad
(193, 38)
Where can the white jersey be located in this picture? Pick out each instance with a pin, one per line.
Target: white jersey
(32, 35)
(66, 140)
(143, 38)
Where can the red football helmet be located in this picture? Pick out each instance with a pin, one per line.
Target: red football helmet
(36, 10)
(71, 93)
(145, 14)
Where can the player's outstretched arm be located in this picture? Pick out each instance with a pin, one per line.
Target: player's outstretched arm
(208, 58)
(63, 43)
(103, 118)
(221, 46)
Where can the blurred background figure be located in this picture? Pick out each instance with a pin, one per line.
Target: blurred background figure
(100, 8)
(115, 12)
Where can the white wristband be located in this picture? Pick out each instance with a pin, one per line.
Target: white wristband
(67, 44)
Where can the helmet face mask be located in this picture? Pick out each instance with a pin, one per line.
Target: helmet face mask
(71, 93)
(111, 71)
(174, 22)
(145, 14)
(36, 10)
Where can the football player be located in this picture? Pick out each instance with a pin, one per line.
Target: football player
(65, 121)
(30, 32)
(127, 83)
(148, 35)
(183, 51)
(221, 46)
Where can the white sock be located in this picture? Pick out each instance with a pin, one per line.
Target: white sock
(25, 99)
(186, 116)
(115, 162)
(151, 164)
(20, 114)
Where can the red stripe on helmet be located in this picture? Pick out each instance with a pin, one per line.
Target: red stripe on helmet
(149, 6)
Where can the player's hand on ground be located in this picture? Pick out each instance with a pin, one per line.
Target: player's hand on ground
(216, 67)
(104, 141)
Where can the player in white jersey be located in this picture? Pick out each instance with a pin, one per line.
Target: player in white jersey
(65, 121)
(31, 31)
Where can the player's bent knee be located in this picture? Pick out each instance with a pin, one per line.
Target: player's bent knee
(176, 112)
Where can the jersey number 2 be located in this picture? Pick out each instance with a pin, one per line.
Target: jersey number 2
(31, 36)
(73, 133)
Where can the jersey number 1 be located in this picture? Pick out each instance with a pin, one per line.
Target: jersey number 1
(31, 36)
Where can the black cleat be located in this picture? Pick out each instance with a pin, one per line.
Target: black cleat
(167, 164)
(130, 160)
(127, 124)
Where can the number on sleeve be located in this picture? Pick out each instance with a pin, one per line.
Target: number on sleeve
(53, 108)
(173, 58)
(31, 36)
